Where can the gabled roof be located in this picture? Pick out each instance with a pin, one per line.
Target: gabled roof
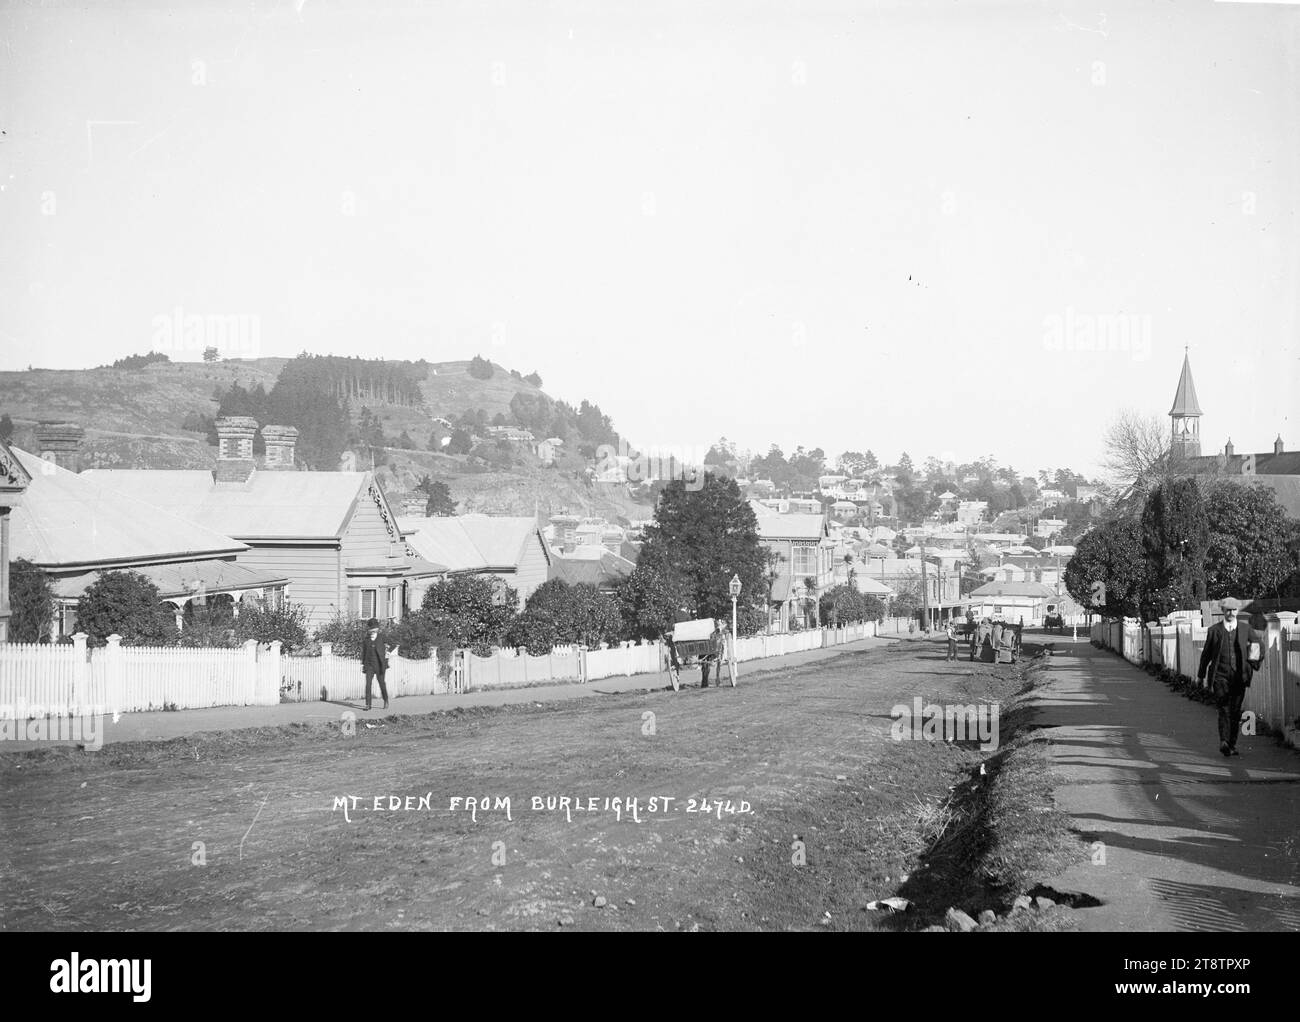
(68, 519)
(600, 571)
(271, 505)
(1185, 402)
(472, 542)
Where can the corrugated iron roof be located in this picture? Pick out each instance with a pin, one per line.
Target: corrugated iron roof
(469, 542)
(72, 519)
(271, 505)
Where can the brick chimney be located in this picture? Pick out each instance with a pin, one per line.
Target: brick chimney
(1227, 448)
(1277, 444)
(60, 442)
(235, 448)
(280, 442)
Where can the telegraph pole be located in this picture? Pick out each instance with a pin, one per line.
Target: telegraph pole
(925, 593)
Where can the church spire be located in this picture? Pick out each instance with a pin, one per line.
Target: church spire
(1186, 415)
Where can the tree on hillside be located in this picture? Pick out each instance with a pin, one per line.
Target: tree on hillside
(211, 354)
(706, 535)
(534, 379)
(31, 600)
(461, 442)
(480, 368)
(127, 604)
(870, 462)
(439, 503)
(1176, 539)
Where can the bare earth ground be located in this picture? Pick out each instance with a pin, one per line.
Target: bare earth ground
(107, 840)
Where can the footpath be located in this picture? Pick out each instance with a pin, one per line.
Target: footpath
(1183, 838)
(162, 725)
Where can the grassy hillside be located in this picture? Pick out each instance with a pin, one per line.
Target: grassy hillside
(133, 417)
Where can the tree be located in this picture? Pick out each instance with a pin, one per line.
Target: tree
(6, 428)
(31, 600)
(476, 610)
(438, 503)
(127, 604)
(461, 442)
(707, 535)
(1175, 539)
(1108, 572)
(650, 600)
(534, 379)
(211, 354)
(870, 462)
(843, 603)
(1247, 555)
(480, 368)
(1135, 450)
(286, 622)
(558, 613)
(405, 442)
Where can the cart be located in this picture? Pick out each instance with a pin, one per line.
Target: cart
(701, 643)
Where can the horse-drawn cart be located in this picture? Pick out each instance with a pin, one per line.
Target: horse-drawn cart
(703, 643)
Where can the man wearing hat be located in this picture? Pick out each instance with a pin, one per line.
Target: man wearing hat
(374, 660)
(1226, 661)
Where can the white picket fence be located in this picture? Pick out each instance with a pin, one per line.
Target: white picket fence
(308, 678)
(39, 679)
(508, 668)
(1274, 693)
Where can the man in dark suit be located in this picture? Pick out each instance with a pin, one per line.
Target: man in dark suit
(1226, 662)
(374, 660)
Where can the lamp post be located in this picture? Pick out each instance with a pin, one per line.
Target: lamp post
(733, 587)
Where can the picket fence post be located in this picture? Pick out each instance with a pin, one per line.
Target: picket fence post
(81, 693)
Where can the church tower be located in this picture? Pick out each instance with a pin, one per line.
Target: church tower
(1186, 415)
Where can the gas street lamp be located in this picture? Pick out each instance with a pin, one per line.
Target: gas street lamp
(733, 587)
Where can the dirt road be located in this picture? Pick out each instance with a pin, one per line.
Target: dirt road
(244, 831)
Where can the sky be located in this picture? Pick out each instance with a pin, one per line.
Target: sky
(902, 227)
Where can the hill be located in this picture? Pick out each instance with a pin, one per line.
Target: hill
(134, 418)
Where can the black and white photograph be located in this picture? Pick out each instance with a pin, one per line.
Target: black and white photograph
(592, 466)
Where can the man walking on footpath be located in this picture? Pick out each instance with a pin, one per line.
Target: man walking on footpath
(952, 642)
(1232, 654)
(374, 660)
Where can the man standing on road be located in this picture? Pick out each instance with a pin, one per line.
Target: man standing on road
(1233, 652)
(374, 660)
(952, 642)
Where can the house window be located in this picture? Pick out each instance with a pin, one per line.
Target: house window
(805, 561)
(67, 619)
(391, 610)
(369, 597)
